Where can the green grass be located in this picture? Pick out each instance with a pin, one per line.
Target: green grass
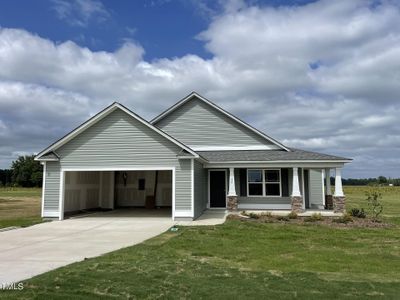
(241, 260)
(19, 206)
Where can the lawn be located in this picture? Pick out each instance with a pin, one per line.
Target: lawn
(19, 206)
(240, 260)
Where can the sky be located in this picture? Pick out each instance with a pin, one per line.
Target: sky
(318, 75)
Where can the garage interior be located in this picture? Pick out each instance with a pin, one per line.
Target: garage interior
(88, 191)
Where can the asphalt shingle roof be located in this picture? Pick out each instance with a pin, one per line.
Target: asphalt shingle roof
(266, 155)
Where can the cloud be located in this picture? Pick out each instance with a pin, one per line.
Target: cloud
(80, 12)
(322, 76)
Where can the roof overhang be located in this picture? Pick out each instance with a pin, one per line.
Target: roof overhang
(229, 115)
(96, 118)
(282, 164)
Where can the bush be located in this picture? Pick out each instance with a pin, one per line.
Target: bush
(374, 197)
(346, 218)
(358, 213)
(282, 218)
(254, 216)
(313, 218)
(267, 214)
(292, 215)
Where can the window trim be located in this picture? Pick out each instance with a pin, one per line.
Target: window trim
(263, 182)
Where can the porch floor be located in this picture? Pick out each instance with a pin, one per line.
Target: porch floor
(209, 217)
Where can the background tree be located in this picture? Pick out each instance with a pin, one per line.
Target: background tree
(27, 172)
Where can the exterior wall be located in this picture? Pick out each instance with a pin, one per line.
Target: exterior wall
(200, 189)
(118, 141)
(51, 190)
(197, 124)
(316, 188)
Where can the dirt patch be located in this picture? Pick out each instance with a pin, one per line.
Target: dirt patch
(327, 221)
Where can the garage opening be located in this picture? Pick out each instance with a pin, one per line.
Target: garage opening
(92, 191)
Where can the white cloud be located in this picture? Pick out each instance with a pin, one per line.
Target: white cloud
(80, 12)
(323, 76)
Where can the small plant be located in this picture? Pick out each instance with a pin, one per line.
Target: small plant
(313, 218)
(346, 218)
(254, 215)
(292, 215)
(358, 213)
(267, 214)
(374, 197)
(282, 218)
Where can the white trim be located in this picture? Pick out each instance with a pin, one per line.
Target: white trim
(273, 164)
(264, 183)
(233, 148)
(192, 185)
(264, 206)
(338, 183)
(100, 116)
(61, 196)
(328, 181)
(193, 94)
(51, 214)
(304, 191)
(323, 189)
(43, 187)
(277, 161)
(48, 159)
(209, 192)
(173, 194)
(183, 213)
(135, 168)
(231, 183)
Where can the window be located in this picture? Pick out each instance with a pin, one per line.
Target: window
(264, 183)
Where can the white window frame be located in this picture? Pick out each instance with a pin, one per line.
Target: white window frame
(263, 182)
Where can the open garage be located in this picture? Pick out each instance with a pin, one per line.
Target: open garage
(86, 191)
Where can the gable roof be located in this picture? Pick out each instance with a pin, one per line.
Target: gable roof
(229, 115)
(96, 118)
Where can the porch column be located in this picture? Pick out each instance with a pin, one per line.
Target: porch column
(328, 190)
(232, 201)
(296, 198)
(338, 197)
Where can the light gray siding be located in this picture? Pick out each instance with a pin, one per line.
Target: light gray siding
(200, 189)
(52, 188)
(120, 141)
(316, 188)
(196, 124)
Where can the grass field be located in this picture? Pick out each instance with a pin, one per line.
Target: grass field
(19, 206)
(242, 260)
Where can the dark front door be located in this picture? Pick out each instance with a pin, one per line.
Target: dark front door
(217, 189)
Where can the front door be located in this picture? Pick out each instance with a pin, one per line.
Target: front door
(217, 189)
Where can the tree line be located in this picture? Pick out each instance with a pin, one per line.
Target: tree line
(24, 172)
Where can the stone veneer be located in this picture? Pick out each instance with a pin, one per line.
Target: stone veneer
(232, 203)
(339, 204)
(328, 202)
(297, 204)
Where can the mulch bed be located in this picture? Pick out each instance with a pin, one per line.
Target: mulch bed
(327, 221)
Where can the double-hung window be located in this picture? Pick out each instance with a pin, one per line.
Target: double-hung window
(264, 182)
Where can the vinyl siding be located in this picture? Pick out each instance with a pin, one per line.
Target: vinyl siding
(200, 189)
(316, 192)
(196, 124)
(52, 187)
(120, 141)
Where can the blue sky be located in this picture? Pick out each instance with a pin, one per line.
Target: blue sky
(316, 75)
(165, 28)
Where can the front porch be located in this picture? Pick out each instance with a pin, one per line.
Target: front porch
(279, 189)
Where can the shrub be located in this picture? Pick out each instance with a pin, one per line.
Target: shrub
(374, 197)
(313, 218)
(292, 215)
(282, 218)
(358, 213)
(346, 218)
(254, 215)
(267, 214)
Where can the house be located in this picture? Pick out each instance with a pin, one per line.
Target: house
(193, 156)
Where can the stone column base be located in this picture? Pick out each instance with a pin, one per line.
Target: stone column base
(339, 204)
(297, 204)
(232, 203)
(328, 202)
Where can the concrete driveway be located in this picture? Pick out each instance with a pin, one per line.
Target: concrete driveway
(30, 251)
